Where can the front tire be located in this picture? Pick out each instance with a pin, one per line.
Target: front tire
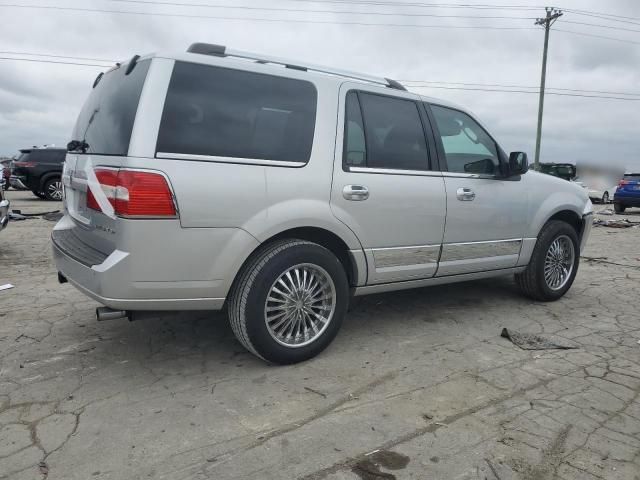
(553, 265)
(289, 301)
(605, 198)
(52, 189)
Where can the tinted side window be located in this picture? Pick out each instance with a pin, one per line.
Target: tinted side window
(354, 153)
(232, 113)
(394, 134)
(467, 146)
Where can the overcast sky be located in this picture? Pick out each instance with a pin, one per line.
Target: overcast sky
(39, 101)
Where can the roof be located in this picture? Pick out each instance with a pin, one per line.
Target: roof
(48, 149)
(221, 51)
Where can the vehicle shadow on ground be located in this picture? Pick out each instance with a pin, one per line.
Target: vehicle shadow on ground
(186, 339)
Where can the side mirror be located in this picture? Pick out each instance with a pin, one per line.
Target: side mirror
(518, 163)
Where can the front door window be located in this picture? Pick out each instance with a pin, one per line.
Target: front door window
(467, 146)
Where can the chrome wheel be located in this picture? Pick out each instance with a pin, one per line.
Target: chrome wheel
(54, 190)
(558, 263)
(300, 305)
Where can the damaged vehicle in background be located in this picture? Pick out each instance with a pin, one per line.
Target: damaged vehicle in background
(566, 171)
(39, 170)
(278, 189)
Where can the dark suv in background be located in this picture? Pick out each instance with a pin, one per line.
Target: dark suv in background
(39, 170)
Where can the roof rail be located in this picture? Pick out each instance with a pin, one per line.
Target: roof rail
(222, 51)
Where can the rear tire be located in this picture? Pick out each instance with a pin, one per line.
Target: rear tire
(553, 265)
(52, 189)
(281, 296)
(619, 208)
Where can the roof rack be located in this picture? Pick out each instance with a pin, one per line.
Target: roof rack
(222, 51)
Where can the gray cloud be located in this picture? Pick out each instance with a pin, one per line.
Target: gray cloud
(39, 102)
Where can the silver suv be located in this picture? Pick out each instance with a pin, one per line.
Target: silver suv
(221, 179)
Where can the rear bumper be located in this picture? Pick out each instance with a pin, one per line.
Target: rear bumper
(101, 285)
(627, 201)
(4, 213)
(191, 269)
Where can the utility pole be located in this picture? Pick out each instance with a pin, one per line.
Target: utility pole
(552, 15)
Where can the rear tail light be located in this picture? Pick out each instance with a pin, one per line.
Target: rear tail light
(622, 183)
(135, 193)
(24, 164)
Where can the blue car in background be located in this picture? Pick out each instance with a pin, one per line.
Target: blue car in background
(628, 192)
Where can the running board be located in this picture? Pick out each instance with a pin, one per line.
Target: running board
(426, 282)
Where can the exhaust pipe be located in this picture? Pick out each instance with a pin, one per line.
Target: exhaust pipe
(106, 313)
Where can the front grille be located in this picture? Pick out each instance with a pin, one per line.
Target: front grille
(71, 245)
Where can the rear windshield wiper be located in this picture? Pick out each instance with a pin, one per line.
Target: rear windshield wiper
(77, 145)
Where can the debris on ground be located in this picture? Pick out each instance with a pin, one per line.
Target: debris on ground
(369, 467)
(605, 260)
(53, 215)
(15, 215)
(606, 211)
(6, 286)
(624, 223)
(532, 341)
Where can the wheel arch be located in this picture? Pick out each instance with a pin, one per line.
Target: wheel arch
(354, 262)
(48, 176)
(570, 217)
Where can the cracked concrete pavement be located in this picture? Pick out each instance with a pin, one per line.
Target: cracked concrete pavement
(421, 378)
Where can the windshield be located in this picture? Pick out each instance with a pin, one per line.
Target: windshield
(106, 119)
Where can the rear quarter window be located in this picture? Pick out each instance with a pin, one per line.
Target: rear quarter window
(222, 112)
(47, 156)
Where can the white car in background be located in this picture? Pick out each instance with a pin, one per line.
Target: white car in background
(600, 193)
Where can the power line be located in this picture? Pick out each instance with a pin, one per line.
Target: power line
(58, 56)
(448, 87)
(35, 60)
(526, 91)
(424, 4)
(596, 36)
(609, 19)
(601, 14)
(608, 16)
(426, 83)
(409, 83)
(272, 20)
(298, 10)
(614, 27)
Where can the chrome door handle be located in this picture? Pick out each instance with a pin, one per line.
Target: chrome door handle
(357, 193)
(465, 194)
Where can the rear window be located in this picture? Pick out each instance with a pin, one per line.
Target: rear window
(632, 176)
(222, 112)
(106, 119)
(43, 156)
